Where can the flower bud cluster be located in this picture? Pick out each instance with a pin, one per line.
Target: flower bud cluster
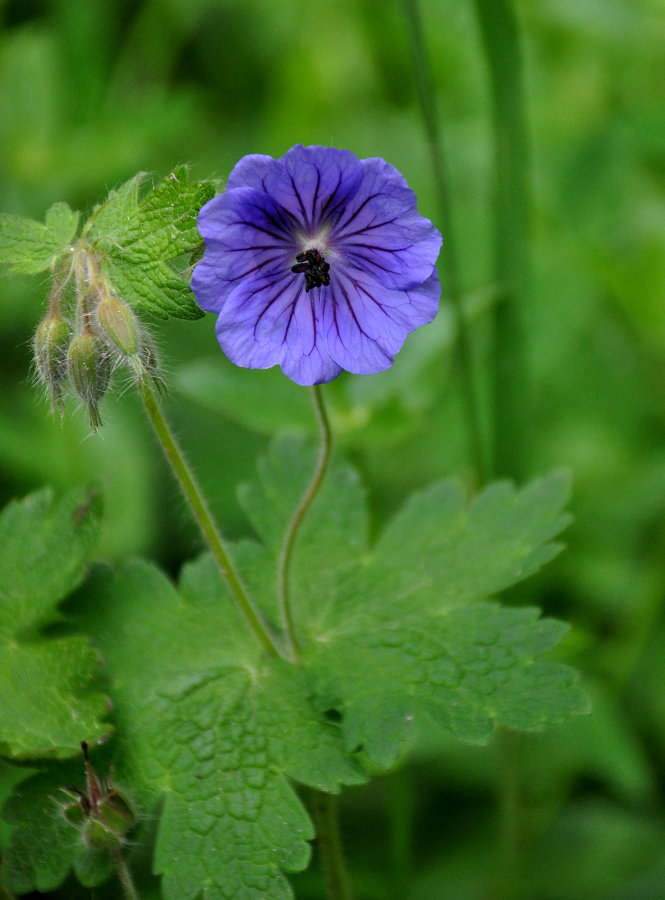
(80, 348)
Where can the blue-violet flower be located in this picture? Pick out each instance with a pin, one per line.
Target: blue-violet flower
(316, 262)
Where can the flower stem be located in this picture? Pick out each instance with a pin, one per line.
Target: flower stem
(329, 842)
(204, 519)
(449, 257)
(325, 434)
(124, 876)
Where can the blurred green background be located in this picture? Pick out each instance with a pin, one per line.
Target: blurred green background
(92, 91)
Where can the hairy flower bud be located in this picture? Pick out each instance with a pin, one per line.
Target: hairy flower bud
(117, 325)
(50, 348)
(102, 812)
(108, 823)
(90, 371)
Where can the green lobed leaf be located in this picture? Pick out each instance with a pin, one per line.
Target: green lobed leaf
(474, 668)
(154, 287)
(203, 717)
(443, 553)
(109, 220)
(28, 247)
(164, 225)
(45, 705)
(138, 238)
(396, 631)
(231, 821)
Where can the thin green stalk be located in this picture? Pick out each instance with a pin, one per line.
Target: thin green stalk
(400, 820)
(204, 518)
(124, 876)
(511, 400)
(508, 881)
(325, 446)
(329, 843)
(449, 257)
(511, 395)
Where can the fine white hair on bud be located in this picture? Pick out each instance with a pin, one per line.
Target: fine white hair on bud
(50, 347)
(117, 325)
(89, 370)
(88, 333)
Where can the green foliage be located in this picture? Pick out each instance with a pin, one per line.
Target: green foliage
(390, 632)
(202, 716)
(259, 399)
(393, 630)
(231, 820)
(138, 237)
(28, 247)
(134, 237)
(157, 89)
(45, 708)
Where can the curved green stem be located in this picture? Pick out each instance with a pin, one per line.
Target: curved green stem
(449, 257)
(204, 519)
(286, 612)
(329, 842)
(124, 876)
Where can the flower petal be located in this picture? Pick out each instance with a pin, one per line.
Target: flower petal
(312, 183)
(367, 323)
(250, 171)
(266, 323)
(381, 232)
(246, 233)
(375, 280)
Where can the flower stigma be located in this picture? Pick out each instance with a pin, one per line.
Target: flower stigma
(314, 267)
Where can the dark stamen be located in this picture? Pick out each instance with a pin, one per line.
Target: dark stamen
(314, 267)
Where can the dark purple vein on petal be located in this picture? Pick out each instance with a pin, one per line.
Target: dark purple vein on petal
(328, 214)
(384, 309)
(350, 234)
(255, 268)
(306, 222)
(355, 213)
(316, 195)
(266, 289)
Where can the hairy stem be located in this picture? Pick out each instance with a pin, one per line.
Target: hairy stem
(124, 876)
(286, 612)
(329, 844)
(204, 519)
(449, 258)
